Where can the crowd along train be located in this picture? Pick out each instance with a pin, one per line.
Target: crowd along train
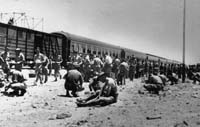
(63, 43)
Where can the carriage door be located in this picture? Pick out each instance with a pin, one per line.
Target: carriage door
(39, 41)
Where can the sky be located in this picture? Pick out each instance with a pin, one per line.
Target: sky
(150, 26)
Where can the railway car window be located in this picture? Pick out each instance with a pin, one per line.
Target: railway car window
(99, 51)
(12, 33)
(75, 47)
(89, 50)
(94, 50)
(80, 48)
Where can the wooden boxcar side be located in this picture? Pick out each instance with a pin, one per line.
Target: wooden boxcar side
(27, 40)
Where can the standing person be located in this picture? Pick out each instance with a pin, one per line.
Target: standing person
(19, 59)
(50, 64)
(39, 60)
(97, 64)
(107, 66)
(5, 58)
(132, 63)
(57, 65)
(45, 68)
(115, 67)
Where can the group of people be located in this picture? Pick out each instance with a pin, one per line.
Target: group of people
(102, 73)
(44, 66)
(119, 69)
(155, 73)
(14, 78)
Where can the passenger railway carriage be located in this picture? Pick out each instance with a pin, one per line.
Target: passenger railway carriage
(64, 43)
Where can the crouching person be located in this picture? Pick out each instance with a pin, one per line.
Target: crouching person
(17, 83)
(154, 84)
(73, 82)
(106, 95)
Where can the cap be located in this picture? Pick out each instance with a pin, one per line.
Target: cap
(17, 49)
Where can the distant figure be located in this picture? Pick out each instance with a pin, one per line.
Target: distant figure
(19, 59)
(11, 21)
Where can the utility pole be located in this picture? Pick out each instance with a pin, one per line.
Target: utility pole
(184, 21)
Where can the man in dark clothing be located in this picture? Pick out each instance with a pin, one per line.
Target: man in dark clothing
(73, 82)
(106, 95)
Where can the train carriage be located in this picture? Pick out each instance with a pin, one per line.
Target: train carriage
(63, 43)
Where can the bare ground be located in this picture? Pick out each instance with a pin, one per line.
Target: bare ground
(41, 106)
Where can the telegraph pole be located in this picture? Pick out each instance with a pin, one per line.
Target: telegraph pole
(184, 21)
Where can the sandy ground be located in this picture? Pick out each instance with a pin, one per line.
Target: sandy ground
(41, 106)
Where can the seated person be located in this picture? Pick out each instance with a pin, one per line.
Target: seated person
(106, 95)
(17, 83)
(73, 82)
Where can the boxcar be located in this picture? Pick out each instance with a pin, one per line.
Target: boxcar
(27, 40)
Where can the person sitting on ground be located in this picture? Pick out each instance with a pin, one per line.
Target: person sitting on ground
(107, 94)
(17, 82)
(73, 82)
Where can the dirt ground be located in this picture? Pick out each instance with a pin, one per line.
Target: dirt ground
(44, 106)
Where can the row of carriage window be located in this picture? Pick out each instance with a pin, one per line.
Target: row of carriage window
(92, 49)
